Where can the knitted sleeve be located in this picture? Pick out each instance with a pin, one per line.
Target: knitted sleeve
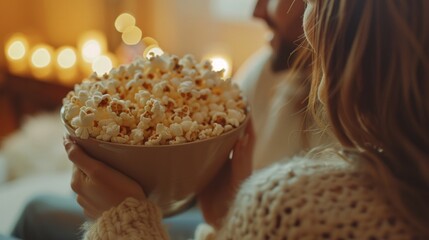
(131, 220)
(302, 200)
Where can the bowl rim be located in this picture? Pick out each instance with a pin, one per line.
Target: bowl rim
(243, 124)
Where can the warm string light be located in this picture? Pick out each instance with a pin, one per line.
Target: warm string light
(152, 50)
(41, 57)
(220, 63)
(91, 49)
(16, 51)
(66, 57)
(66, 62)
(132, 35)
(125, 23)
(92, 44)
(91, 54)
(41, 61)
(102, 65)
(148, 41)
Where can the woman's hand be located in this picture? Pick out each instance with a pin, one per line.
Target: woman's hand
(216, 198)
(98, 186)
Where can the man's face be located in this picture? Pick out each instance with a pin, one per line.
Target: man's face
(284, 18)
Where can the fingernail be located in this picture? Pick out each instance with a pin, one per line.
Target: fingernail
(67, 139)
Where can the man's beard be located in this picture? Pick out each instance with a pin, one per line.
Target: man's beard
(282, 55)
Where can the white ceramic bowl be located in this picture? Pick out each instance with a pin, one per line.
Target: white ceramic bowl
(171, 175)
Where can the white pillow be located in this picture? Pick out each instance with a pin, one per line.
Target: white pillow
(36, 148)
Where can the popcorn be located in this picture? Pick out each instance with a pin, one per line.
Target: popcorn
(156, 101)
(71, 111)
(83, 122)
(176, 130)
(217, 130)
(109, 130)
(137, 136)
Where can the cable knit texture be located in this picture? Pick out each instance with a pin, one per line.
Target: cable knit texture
(131, 220)
(306, 199)
(298, 199)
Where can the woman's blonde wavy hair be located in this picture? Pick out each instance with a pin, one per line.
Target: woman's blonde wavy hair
(373, 57)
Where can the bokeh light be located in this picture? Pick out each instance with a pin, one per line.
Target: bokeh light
(132, 35)
(92, 44)
(16, 50)
(41, 56)
(17, 47)
(149, 41)
(66, 57)
(152, 50)
(219, 64)
(102, 64)
(91, 50)
(124, 21)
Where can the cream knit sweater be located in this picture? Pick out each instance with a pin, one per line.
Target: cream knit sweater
(297, 199)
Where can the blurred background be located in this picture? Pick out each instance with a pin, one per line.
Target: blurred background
(49, 45)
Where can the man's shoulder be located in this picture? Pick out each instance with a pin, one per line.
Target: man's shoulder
(253, 67)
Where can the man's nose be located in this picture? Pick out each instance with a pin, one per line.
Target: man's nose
(261, 9)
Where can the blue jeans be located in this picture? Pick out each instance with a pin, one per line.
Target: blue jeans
(55, 217)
